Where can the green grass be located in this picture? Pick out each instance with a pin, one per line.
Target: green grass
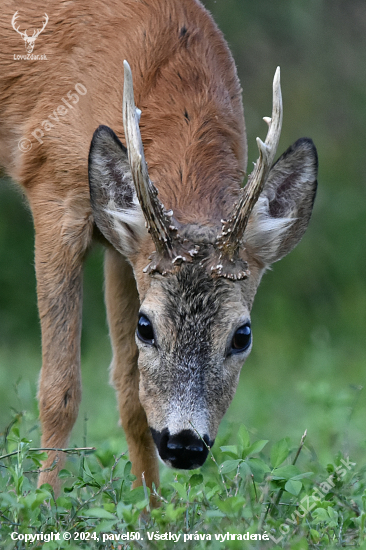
(251, 487)
(246, 487)
(307, 366)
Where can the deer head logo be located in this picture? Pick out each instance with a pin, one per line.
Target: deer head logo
(29, 40)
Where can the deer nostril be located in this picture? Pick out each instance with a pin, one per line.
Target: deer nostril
(182, 450)
(174, 446)
(196, 448)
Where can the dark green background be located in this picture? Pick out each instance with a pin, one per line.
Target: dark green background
(308, 360)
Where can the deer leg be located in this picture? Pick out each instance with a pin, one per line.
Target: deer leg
(122, 307)
(62, 236)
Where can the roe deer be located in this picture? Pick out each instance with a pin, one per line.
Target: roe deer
(182, 267)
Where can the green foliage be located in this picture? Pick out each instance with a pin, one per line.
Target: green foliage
(307, 367)
(244, 492)
(309, 317)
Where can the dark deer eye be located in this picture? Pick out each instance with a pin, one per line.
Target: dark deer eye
(145, 330)
(242, 339)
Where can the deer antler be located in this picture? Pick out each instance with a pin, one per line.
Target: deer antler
(171, 251)
(38, 32)
(228, 242)
(13, 21)
(168, 245)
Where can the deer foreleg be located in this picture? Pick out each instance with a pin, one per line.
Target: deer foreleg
(62, 236)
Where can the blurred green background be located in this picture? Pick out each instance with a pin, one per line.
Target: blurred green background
(308, 363)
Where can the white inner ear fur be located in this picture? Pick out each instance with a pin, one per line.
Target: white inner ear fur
(264, 233)
(129, 224)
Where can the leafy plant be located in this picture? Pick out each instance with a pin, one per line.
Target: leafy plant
(243, 495)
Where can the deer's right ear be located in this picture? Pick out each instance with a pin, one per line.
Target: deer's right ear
(116, 209)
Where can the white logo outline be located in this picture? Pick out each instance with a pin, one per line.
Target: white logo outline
(29, 41)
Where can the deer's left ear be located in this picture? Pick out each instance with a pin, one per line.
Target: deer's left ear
(282, 212)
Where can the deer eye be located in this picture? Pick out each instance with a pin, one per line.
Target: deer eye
(145, 330)
(242, 339)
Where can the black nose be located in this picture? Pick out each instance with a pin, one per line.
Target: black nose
(183, 450)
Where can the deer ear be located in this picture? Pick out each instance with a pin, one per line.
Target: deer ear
(116, 209)
(282, 212)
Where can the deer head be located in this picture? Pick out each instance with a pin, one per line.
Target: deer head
(29, 40)
(196, 282)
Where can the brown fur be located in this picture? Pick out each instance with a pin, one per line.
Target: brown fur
(193, 132)
(86, 42)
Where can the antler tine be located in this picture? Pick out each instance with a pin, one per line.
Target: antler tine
(233, 229)
(13, 21)
(38, 32)
(156, 217)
